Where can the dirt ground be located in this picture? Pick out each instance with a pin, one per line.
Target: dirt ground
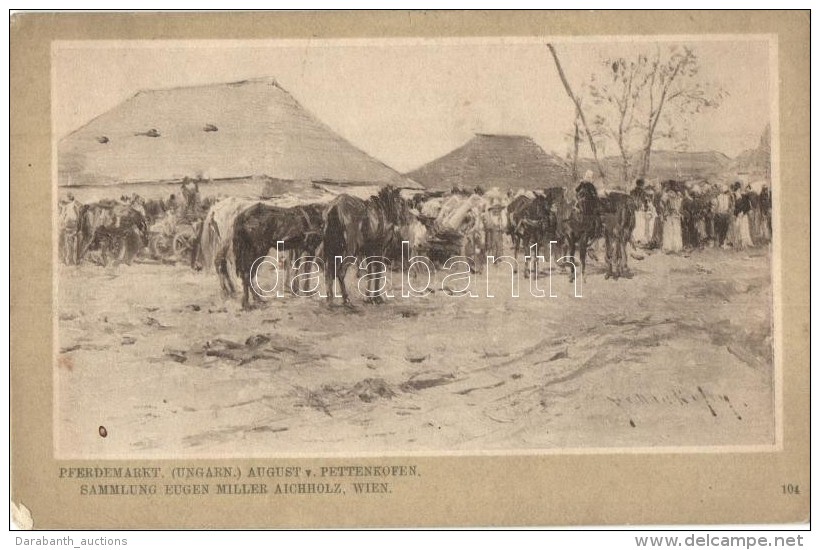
(678, 355)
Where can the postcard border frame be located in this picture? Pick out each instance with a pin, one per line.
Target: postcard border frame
(555, 489)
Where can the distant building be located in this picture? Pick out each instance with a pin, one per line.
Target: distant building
(495, 160)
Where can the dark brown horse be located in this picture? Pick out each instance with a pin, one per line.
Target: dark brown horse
(618, 219)
(580, 227)
(359, 229)
(258, 229)
(532, 221)
(312, 240)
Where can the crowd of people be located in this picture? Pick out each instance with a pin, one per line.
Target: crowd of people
(671, 216)
(678, 216)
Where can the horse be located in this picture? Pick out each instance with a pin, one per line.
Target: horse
(258, 229)
(532, 221)
(113, 227)
(214, 243)
(618, 220)
(517, 205)
(312, 239)
(580, 228)
(363, 228)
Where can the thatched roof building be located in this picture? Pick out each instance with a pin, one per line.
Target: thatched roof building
(494, 160)
(249, 131)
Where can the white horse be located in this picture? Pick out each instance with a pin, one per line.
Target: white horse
(215, 249)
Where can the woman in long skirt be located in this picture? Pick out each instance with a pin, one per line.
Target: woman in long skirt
(672, 232)
(651, 217)
(639, 232)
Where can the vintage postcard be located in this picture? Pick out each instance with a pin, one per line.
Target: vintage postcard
(375, 275)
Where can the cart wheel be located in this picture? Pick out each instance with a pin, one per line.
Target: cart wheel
(159, 246)
(182, 245)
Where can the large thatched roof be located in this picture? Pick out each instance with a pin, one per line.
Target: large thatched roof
(252, 128)
(492, 160)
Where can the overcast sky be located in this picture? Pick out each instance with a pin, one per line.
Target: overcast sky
(409, 102)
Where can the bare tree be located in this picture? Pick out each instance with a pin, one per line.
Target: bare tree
(574, 138)
(641, 100)
(673, 84)
(579, 112)
(616, 96)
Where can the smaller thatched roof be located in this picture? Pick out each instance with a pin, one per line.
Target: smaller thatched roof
(495, 160)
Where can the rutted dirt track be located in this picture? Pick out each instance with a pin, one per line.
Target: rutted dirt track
(678, 355)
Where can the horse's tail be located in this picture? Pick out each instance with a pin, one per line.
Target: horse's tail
(334, 241)
(242, 247)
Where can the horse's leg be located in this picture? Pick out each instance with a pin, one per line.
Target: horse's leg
(516, 242)
(221, 265)
(340, 276)
(524, 242)
(329, 280)
(533, 262)
(369, 298)
(376, 283)
(572, 245)
(345, 297)
(72, 248)
(230, 288)
(380, 283)
(583, 243)
(290, 256)
(303, 269)
(564, 247)
(246, 283)
(624, 258)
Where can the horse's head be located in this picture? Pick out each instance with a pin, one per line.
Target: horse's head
(395, 208)
(541, 206)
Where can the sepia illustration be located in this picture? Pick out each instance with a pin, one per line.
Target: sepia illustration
(269, 248)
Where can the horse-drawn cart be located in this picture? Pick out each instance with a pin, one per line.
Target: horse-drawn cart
(172, 238)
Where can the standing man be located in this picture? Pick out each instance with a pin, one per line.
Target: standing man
(722, 210)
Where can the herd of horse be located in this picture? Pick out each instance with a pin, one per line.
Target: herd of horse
(234, 233)
(575, 224)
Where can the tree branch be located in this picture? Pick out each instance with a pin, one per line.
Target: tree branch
(578, 109)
